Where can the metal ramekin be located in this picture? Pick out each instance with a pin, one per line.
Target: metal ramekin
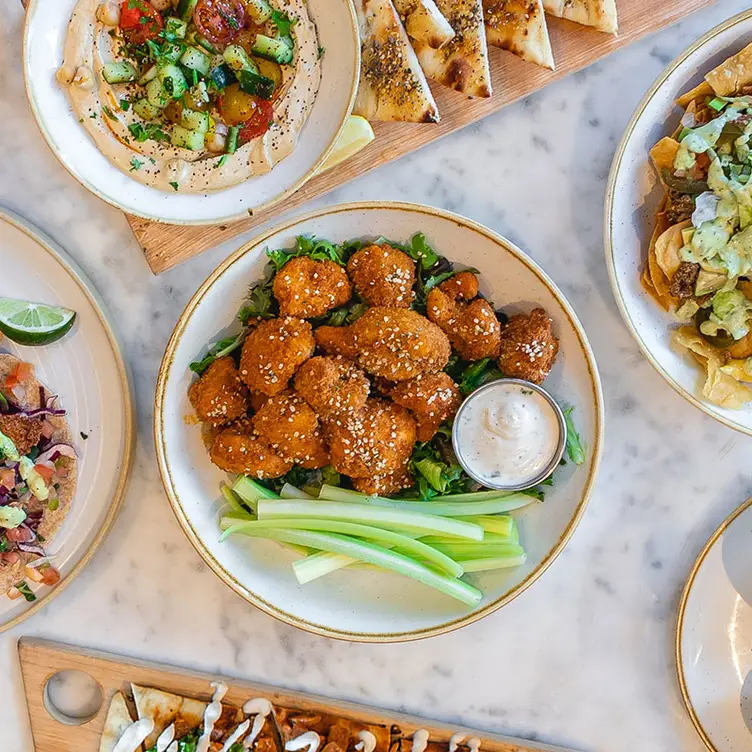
(555, 458)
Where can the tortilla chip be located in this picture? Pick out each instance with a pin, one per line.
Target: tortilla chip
(520, 27)
(720, 388)
(462, 64)
(697, 94)
(424, 22)
(735, 368)
(664, 153)
(600, 14)
(117, 720)
(667, 247)
(729, 77)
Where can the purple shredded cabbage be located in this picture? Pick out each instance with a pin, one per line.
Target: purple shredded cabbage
(48, 408)
(31, 548)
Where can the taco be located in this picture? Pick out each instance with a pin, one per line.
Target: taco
(37, 477)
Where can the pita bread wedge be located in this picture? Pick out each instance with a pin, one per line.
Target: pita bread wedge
(165, 708)
(462, 63)
(424, 22)
(600, 14)
(30, 405)
(520, 27)
(733, 74)
(392, 84)
(117, 720)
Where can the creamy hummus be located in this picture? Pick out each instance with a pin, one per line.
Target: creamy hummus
(89, 46)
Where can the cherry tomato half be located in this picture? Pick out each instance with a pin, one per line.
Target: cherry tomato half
(259, 122)
(220, 21)
(140, 21)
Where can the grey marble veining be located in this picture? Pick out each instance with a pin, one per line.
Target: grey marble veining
(584, 658)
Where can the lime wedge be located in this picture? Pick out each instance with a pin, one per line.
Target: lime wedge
(356, 135)
(33, 323)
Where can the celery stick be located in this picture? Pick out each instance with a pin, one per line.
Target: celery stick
(232, 500)
(334, 493)
(483, 565)
(469, 550)
(409, 545)
(501, 524)
(233, 518)
(405, 521)
(250, 491)
(290, 492)
(320, 564)
(376, 555)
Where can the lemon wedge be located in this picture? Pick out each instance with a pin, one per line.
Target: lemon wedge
(356, 135)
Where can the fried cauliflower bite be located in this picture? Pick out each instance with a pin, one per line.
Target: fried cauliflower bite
(336, 340)
(236, 449)
(398, 344)
(308, 289)
(331, 385)
(291, 427)
(378, 440)
(472, 327)
(432, 398)
(384, 485)
(528, 346)
(383, 276)
(219, 395)
(24, 432)
(273, 351)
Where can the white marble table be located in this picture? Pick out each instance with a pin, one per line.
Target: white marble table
(584, 658)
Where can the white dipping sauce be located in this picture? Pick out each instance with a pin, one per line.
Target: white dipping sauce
(507, 434)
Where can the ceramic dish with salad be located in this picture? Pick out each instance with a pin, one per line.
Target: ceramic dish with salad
(331, 404)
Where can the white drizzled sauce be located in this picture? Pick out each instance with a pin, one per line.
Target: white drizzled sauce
(367, 741)
(507, 435)
(166, 738)
(134, 735)
(473, 744)
(261, 708)
(455, 740)
(235, 735)
(211, 715)
(172, 748)
(420, 740)
(309, 739)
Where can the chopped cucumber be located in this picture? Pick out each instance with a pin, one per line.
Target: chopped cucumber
(171, 52)
(146, 110)
(195, 59)
(119, 73)
(206, 44)
(186, 8)
(222, 76)
(255, 84)
(235, 56)
(150, 75)
(186, 139)
(176, 26)
(232, 139)
(173, 81)
(194, 120)
(259, 11)
(278, 50)
(156, 95)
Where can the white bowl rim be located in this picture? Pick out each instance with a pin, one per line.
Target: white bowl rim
(608, 220)
(386, 637)
(30, 8)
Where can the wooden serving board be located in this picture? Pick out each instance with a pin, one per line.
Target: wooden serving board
(575, 47)
(41, 659)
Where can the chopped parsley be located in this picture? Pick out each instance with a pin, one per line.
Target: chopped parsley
(151, 131)
(175, 184)
(229, 19)
(222, 160)
(322, 50)
(110, 114)
(125, 104)
(93, 116)
(136, 164)
(283, 22)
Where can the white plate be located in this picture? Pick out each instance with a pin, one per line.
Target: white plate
(714, 637)
(364, 605)
(85, 369)
(44, 37)
(632, 201)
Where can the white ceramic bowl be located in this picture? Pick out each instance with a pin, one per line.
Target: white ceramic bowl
(86, 370)
(714, 637)
(44, 37)
(632, 200)
(366, 605)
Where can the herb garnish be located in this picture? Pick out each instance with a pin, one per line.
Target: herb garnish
(283, 22)
(25, 591)
(149, 132)
(136, 164)
(175, 185)
(110, 114)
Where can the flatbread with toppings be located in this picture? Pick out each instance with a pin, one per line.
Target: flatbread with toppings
(392, 84)
(601, 14)
(37, 478)
(424, 22)
(462, 63)
(520, 27)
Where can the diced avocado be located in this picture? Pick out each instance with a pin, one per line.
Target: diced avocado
(8, 449)
(11, 517)
(33, 479)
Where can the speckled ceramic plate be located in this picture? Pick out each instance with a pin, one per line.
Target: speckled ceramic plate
(44, 37)
(714, 637)
(87, 372)
(367, 605)
(633, 198)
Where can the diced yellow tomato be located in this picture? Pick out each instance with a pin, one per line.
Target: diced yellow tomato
(237, 106)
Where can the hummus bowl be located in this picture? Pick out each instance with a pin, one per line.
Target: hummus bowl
(89, 119)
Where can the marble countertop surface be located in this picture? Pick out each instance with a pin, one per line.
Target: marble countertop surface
(584, 658)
